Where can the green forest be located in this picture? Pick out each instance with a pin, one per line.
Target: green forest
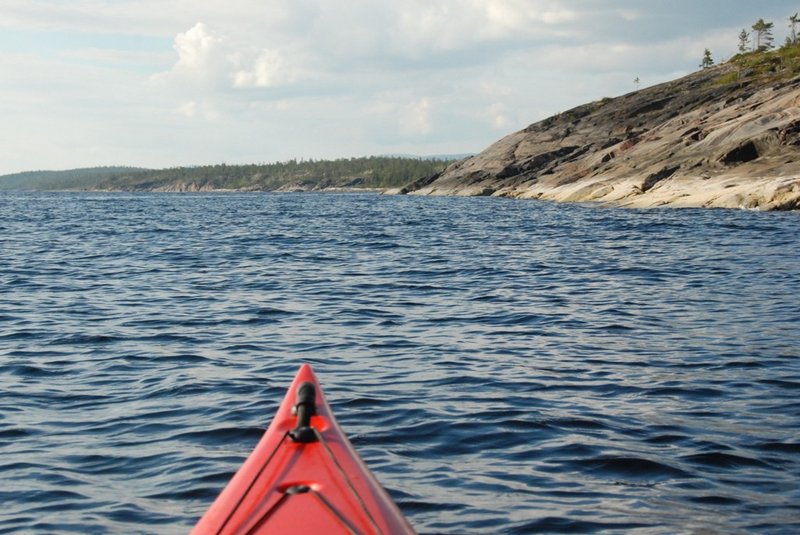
(373, 172)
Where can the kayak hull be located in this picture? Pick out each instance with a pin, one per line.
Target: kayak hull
(303, 479)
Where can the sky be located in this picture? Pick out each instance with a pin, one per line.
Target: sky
(166, 83)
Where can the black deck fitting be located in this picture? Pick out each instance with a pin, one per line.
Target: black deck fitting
(304, 408)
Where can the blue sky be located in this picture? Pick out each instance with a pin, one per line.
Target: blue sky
(159, 83)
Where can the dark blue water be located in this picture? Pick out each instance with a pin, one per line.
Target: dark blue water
(502, 366)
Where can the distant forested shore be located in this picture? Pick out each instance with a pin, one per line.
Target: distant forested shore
(372, 172)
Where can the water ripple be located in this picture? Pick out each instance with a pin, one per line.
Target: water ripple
(503, 366)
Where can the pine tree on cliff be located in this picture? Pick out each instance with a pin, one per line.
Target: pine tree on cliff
(744, 40)
(792, 38)
(706, 62)
(763, 35)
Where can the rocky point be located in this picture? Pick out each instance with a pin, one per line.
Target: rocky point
(728, 136)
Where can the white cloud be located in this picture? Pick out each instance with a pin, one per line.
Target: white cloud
(202, 57)
(416, 118)
(521, 15)
(268, 70)
(447, 25)
(209, 59)
(398, 111)
(204, 109)
(198, 49)
(630, 15)
(498, 114)
(188, 109)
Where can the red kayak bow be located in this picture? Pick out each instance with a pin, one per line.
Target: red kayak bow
(303, 477)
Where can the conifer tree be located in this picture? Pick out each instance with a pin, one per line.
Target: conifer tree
(763, 35)
(792, 38)
(744, 39)
(706, 62)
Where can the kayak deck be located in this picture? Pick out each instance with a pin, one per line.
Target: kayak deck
(303, 477)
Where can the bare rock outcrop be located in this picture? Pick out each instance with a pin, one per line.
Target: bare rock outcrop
(184, 187)
(693, 142)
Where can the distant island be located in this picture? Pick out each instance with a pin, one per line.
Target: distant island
(726, 136)
(367, 173)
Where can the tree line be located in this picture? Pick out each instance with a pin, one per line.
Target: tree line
(759, 39)
(364, 172)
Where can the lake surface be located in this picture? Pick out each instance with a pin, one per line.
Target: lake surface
(502, 366)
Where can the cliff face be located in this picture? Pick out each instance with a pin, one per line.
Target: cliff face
(692, 142)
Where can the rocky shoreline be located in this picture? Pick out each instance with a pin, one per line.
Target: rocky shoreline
(699, 141)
